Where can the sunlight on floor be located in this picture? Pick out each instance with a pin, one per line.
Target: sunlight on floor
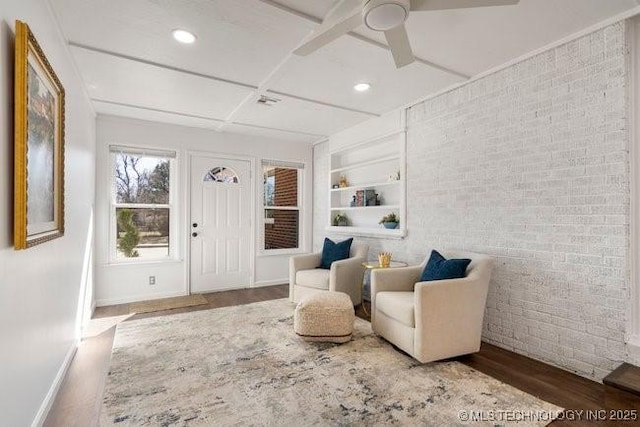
(97, 326)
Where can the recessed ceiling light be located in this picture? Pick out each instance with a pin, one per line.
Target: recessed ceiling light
(184, 36)
(362, 87)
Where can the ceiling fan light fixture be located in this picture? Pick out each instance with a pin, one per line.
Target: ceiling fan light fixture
(183, 36)
(362, 87)
(383, 15)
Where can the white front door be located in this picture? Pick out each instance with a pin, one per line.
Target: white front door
(220, 223)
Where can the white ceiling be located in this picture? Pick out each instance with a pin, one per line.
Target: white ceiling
(132, 67)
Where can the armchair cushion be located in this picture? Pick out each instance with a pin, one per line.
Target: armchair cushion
(397, 305)
(332, 251)
(317, 278)
(440, 268)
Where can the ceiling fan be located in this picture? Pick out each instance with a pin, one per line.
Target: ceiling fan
(387, 16)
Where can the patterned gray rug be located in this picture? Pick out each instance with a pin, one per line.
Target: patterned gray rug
(244, 365)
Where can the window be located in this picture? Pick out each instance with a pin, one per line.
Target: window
(222, 174)
(282, 188)
(141, 208)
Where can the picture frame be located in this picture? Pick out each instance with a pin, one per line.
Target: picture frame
(38, 145)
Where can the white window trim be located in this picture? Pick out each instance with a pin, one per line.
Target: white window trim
(633, 324)
(172, 205)
(263, 221)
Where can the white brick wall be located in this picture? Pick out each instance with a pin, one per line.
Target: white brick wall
(530, 164)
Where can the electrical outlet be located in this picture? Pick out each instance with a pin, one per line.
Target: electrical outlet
(152, 280)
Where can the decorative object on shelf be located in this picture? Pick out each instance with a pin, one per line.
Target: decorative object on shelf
(390, 221)
(395, 176)
(364, 198)
(378, 201)
(384, 259)
(38, 145)
(353, 202)
(343, 181)
(334, 186)
(369, 197)
(340, 220)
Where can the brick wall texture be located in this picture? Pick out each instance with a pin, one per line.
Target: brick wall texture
(530, 165)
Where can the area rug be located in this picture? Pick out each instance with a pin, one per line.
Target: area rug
(244, 365)
(167, 303)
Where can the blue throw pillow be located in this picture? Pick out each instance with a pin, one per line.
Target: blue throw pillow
(440, 268)
(334, 252)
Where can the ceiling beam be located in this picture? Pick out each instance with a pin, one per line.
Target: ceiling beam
(326, 104)
(160, 65)
(258, 90)
(218, 122)
(158, 110)
(271, 79)
(362, 38)
(294, 132)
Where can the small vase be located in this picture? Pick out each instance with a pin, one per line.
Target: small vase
(384, 259)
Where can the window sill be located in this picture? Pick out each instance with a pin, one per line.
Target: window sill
(280, 252)
(147, 262)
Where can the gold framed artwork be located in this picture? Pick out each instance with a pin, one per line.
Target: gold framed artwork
(39, 145)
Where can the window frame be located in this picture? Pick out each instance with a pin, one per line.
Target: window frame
(632, 332)
(172, 156)
(299, 167)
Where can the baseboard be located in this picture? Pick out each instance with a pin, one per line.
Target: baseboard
(263, 283)
(137, 298)
(41, 416)
(633, 350)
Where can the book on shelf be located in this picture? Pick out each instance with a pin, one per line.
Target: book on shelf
(365, 198)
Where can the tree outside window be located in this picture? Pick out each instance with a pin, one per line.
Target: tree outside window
(142, 205)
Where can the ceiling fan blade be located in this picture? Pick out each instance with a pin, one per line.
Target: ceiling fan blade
(344, 17)
(457, 4)
(400, 47)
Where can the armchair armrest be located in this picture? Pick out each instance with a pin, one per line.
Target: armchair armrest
(400, 279)
(302, 262)
(305, 262)
(451, 314)
(394, 279)
(346, 276)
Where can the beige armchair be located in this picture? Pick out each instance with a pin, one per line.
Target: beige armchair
(431, 320)
(344, 276)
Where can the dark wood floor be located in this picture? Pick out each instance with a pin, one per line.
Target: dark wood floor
(79, 399)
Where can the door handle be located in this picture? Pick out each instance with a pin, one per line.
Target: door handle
(194, 234)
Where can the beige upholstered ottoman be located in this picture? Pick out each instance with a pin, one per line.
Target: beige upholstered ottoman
(325, 316)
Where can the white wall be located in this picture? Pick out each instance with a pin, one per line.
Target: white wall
(530, 165)
(40, 287)
(117, 283)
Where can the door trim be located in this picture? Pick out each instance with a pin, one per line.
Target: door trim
(252, 206)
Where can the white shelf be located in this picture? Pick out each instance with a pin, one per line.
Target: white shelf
(366, 186)
(355, 208)
(368, 231)
(365, 164)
